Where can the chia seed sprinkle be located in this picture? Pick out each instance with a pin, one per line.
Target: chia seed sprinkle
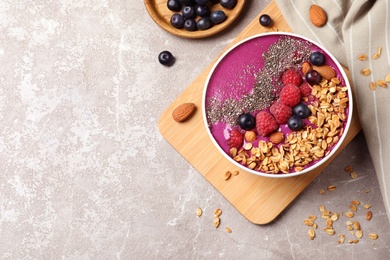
(284, 54)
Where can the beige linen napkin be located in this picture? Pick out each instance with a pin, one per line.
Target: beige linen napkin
(356, 27)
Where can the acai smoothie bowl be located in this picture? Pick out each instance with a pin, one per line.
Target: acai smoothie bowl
(277, 105)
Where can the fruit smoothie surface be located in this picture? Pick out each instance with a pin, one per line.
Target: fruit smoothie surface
(247, 79)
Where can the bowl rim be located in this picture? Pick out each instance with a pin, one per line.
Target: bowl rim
(280, 175)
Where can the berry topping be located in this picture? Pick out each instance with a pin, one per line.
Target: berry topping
(291, 76)
(235, 139)
(301, 110)
(266, 123)
(313, 77)
(166, 58)
(247, 121)
(290, 95)
(317, 58)
(281, 112)
(295, 123)
(265, 20)
(305, 89)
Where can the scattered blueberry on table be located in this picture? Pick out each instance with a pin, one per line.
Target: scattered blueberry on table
(166, 58)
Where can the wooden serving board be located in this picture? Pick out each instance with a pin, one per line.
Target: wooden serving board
(259, 199)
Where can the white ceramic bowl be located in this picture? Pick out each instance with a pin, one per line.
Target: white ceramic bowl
(233, 77)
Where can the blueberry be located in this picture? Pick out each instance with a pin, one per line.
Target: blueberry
(246, 121)
(312, 77)
(218, 16)
(166, 58)
(202, 10)
(317, 58)
(190, 25)
(187, 2)
(174, 5)
(201, 2)
(177, 21)
(229, 4)
(301, 110)
(188, 12)
(265, 20)
(295, 123)
(204, 23)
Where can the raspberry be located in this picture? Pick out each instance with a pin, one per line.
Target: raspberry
(235, 139)
(281, 112)
(290, 95)
(266, 123)
(305, 89)
(291, 76)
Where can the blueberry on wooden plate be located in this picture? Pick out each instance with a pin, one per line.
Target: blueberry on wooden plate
(177, 21)
(229, 4)
(187, 2)
(190, 25)
(188, 12)
(218, 16)
(204, 23)
(174, 5)
(201, 2)
(202, 10)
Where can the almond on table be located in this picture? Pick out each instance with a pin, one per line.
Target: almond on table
(317, 15)
(183, 112)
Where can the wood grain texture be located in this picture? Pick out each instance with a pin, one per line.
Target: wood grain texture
(259, 199)
(161, 15)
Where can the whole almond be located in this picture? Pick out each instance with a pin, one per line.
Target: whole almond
(306, 67)
(276, 137)
(326, 71)
(318, 16)
(183, 112)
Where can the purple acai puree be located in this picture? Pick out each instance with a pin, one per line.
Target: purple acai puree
(237, 72)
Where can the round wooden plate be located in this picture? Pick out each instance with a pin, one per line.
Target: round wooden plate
(160, 13)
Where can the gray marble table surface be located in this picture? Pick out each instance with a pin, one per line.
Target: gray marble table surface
(86, 173)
